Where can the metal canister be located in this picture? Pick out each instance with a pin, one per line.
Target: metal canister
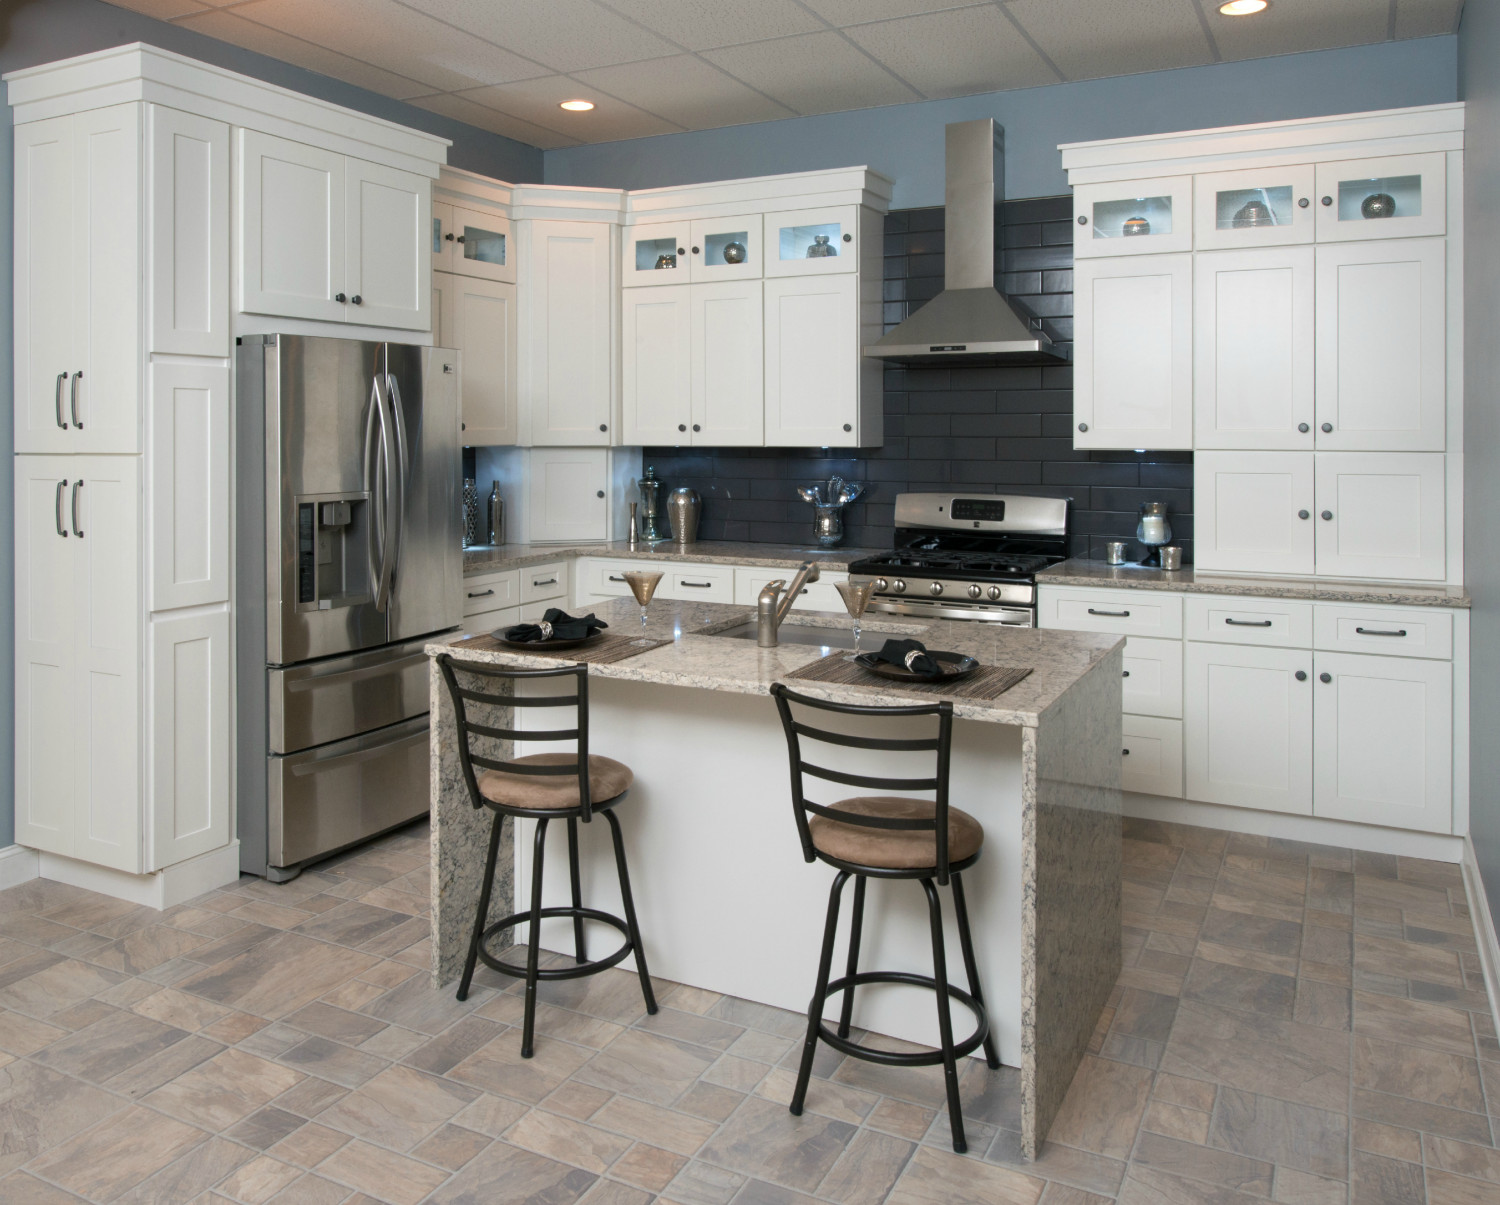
(1114, 552)
(683, 509)
(1171, 558)
(496, 515)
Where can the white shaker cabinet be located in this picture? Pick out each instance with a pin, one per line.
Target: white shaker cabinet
(387, 217)
(1382, 346)
(1133, 352)
(1396, 196)
(478, 317)
(1383, 732)
(1381, 515)
(567, 494)
(656, 331)
(728, 364)
(812, 340)
(1253, 511)
(1253, 348)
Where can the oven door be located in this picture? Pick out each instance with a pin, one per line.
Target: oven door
(1011, 616)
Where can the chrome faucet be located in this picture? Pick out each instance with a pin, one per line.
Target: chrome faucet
(770, 609)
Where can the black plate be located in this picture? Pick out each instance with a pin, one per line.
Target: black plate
(952, 665)
(546, 646)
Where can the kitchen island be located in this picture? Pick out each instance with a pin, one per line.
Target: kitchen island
(726, 902)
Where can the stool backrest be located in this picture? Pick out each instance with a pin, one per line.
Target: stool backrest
(940, 745)
(469, 729)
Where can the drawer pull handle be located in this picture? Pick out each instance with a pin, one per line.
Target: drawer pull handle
(73, 399)
(1249, 623)
(615, 577)
(61, 421)
(480, 593)
(1380, 632)
(700, 585)
(57, 507)
(550, 581)
(1110, 614)
(77, 485)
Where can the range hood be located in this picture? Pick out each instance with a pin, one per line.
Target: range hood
(970, 321)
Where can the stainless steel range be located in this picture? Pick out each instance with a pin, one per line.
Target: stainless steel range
(968, 556)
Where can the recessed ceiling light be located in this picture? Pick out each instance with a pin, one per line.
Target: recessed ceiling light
(1243, 8)
(583, 106)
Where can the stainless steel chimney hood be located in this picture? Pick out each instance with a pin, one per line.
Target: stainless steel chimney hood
(969, 321)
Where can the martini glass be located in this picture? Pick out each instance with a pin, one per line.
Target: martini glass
(643, 586)
(856, 596)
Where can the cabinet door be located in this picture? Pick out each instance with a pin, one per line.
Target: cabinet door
(1381, 515)
(443, 237)
(569, 337)
(292, 240)
(1258, 207)
(1382, 346)
(482, 245)
(1133, 217)
(811, 242)
(1133, 353)
(567, 495)
(726, 248)
(1248, 726)
(387, 265)
(1383, 734)
(1151, 756)
(657, 355)
(105, 506)
(728, 355)
(655, 254)
(187, 779)
(1152, 683)
(46, 738)
(444, 310)
(44, 241)
(1253, 511)
(188, 484)
(187, 233)
(1253, 348)
(1403, 195)
(484, 330)
(812, 361)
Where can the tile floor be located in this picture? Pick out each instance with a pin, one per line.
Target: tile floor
(1295, 1023)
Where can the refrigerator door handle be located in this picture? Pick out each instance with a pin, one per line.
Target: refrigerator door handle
(400, 471)
(379, 484)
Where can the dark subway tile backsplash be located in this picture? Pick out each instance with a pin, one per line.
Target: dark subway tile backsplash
(983, 428)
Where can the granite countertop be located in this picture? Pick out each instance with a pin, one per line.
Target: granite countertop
(489, 559)
(699, 658)
(1187, 581)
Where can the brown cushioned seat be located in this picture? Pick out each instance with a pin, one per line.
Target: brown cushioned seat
(607, 779)
(894, 848)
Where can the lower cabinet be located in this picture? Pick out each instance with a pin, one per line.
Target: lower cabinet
(1151, 755)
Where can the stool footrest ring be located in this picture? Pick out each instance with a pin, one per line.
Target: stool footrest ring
(888, 1057)
(545, 973)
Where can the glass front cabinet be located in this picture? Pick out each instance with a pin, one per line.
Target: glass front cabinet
(1257, 208)
(726, 248)
(1133, 217)
(1396, 197)
(812, 242)
(472, 243)
(656, 254)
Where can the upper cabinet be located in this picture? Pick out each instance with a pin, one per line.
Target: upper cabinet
(1261, 207)
(1136, 217)
(812, 242)
(726, 248)
(472, 243)
(326, 236)
(1393, 197)
(478, 317)
(656, 253)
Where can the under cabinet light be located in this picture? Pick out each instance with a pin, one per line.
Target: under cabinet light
(583, 106)
(1243, 8)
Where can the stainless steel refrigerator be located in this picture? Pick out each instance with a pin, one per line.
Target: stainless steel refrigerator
(348, 559)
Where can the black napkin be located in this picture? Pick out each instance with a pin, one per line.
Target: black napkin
(556, 625)
(909, 654)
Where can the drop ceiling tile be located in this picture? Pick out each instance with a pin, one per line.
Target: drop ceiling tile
(1087, 40)
(566, 35)
(701, 24)
(686, 90)
(851, 12)
(1287, 28)
(395, 38)
(537, 100)
(229, 28)
(956, 53)
(162, 10)
(1425, 18)
(462, 109)
(813, 73)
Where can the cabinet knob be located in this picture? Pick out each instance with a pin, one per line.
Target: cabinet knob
(341, 298)
(695, 251)
(1327, 200)
(848, 238)
(682, 426)
(1300, 675)
(1325, 678)
(682, 251)
(600, 494)
(847, 427)
(459, 239)
(1302, 514)
(449, 236)
(604, 426)
(1082, 221)
(1124, 752)
(1083, 426)
(1304, 428)
(1326, 428)
(696, 427)
(1327, 514)
(357, 299)
(1302, 202)
(1125, 674)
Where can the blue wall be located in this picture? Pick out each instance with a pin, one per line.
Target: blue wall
(1479, 64)
(905, 142)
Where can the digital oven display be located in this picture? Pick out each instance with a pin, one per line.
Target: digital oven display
(989, 510)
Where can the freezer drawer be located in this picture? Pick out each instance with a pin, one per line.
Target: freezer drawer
(330, 700)
(326, 798)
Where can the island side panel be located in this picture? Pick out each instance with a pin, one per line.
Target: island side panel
(460, 836)
(1071, 921)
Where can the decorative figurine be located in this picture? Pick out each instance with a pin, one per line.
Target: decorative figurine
(1378, 205)
(821, 248)
(734, 253)
(1135, 226)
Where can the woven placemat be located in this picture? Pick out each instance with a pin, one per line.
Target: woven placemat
(986, 682)
(611, 648)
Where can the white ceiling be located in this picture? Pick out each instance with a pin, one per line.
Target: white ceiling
(663, 66)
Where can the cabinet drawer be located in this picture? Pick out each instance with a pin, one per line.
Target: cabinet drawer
(1120, 612)
(488, 591)
(1153, 677)
(1151, 756)
(713, 583)
(488, 621)
(816, 596)
(544, 581)
(1250, 621)
(606, 577)
(1389, 630)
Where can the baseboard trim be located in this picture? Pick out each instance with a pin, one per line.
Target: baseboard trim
(1484, 928)
(161, 889)
(17, 865)
(1319, 830)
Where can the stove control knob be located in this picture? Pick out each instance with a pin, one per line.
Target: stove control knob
(899, 586)
(935, 589)
(975, 591)
(995, 593)
(880, 583)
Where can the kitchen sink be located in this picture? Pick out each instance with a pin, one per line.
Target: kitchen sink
(798, 633)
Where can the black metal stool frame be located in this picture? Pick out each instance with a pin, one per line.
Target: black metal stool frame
(946, 872)
(469, 758)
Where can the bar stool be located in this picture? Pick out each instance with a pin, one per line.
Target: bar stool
(542, 787)
(888, 837)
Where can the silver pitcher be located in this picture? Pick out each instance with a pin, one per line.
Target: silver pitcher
(683, 508)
